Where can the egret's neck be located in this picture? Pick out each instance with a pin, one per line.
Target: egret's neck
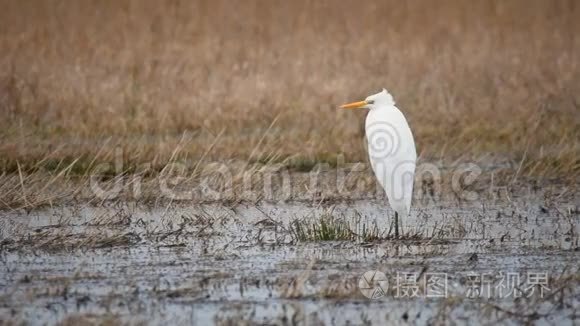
(384, 106)
(386, 100)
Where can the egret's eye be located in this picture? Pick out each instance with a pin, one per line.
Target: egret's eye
(370, 102)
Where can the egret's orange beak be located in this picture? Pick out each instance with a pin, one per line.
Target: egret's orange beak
(354, 105)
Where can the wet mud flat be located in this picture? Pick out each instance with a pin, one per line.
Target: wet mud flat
(510, 261)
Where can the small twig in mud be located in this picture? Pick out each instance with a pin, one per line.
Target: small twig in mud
(295, 288)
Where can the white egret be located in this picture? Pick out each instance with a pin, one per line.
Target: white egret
(391, 150)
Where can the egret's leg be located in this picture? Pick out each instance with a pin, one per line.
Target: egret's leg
(396, 225)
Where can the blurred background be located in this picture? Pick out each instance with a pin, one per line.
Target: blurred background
(261, 80)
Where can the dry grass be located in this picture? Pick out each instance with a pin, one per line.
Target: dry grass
(259, 81)
(88, 319)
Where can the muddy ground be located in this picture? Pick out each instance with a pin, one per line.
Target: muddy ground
(513, 259)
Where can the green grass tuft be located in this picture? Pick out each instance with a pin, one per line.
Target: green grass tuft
(330, 228)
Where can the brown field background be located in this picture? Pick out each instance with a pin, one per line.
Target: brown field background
(260, 81)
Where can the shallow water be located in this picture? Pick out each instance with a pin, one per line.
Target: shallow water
(219, 264)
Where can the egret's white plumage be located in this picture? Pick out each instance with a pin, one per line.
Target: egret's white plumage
(391, 150)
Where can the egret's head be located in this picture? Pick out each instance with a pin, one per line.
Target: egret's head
(380, 99)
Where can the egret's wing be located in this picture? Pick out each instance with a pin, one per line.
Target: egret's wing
(392, 155)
